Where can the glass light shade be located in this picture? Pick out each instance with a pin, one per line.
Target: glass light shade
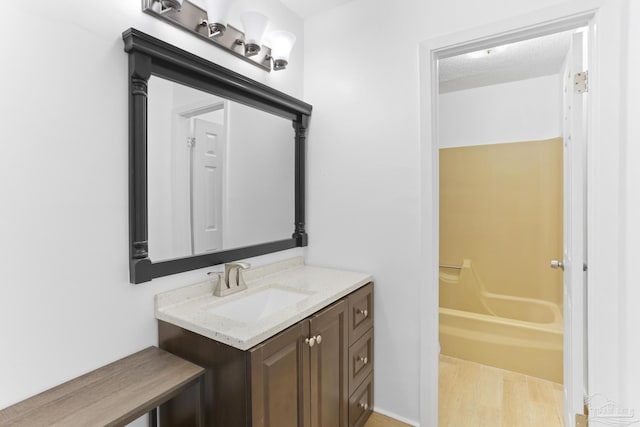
(281, 44)
(254, 25)
(218, 11)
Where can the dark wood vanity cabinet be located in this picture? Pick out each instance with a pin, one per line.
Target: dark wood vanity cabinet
(360, 368)
(280, 380)
(308, 375)
(306, 364)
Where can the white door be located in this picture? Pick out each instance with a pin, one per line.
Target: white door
(575, 139)
(206, 178)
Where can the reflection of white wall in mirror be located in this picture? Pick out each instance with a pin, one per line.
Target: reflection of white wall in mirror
(214, 116)
(260, 198)
(159, 163)
(171, 111)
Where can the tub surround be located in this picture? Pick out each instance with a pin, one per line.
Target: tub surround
(501, 206)
(189, 307)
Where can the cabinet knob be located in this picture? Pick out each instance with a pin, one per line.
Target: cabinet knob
(363, 359)
(310, 341)
(365, 313)
(318, 339)
(363, 406)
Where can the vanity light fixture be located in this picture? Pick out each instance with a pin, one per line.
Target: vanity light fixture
(255, 25)
(171, 4)
(217, 12)
(282, 43)
(212, 25)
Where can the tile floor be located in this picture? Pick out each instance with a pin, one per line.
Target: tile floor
(472, 395)
(379, 420)
(475, 395)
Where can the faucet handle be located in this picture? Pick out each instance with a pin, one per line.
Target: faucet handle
(217, 275)
(217, 280)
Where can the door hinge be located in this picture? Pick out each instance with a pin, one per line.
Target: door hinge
(191, 141)
(582, 420)
(581, 82)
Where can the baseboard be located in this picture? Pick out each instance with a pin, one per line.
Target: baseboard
(395, 416)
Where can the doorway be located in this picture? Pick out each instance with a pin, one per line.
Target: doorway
(203, 127)
(573, 298)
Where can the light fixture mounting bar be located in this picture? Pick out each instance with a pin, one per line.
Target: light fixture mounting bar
(190, 17)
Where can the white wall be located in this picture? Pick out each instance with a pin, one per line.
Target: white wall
(631, 315)
(160, 157)
(66, 304)
(364, 167)
(524, 110)
(260, 177)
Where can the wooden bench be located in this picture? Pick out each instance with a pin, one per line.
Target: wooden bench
(113, 395)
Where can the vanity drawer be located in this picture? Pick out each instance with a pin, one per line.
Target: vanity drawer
(360, 360)
(360, 312)
(361, 403)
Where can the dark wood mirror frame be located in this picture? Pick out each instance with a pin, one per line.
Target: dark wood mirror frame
(150, 56)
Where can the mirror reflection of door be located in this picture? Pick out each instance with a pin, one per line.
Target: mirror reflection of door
(198, 185)
(207, 151)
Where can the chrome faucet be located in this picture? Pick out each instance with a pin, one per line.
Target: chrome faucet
(233, 280)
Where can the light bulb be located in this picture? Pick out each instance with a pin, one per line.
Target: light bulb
(217, 15)
(254, 24)
(281, 44)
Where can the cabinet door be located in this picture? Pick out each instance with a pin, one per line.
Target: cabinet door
(329, 398)
(280, 380)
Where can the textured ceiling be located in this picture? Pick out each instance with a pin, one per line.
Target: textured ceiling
(542, 56)
(307, 8)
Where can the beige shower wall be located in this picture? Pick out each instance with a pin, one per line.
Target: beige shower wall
(501, 207)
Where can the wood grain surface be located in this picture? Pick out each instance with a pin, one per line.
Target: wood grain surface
(472, 395)
(113, 395)
(379, 420)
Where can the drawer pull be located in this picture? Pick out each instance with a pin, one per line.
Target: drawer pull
(310, 341)
(363, 359)
(318, 339)
(365, 313)
(363, 406)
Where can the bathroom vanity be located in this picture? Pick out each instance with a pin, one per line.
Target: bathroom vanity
(293, 349)
(309, 363)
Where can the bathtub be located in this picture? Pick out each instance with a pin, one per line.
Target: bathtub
(513, 333)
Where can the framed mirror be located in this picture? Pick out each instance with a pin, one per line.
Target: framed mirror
(216, 163)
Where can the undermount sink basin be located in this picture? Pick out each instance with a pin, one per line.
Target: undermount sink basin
(258, 305)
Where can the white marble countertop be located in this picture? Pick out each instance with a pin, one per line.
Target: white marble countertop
(188, 307)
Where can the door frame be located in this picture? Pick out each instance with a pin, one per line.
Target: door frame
(184, 115)
(544, 22)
